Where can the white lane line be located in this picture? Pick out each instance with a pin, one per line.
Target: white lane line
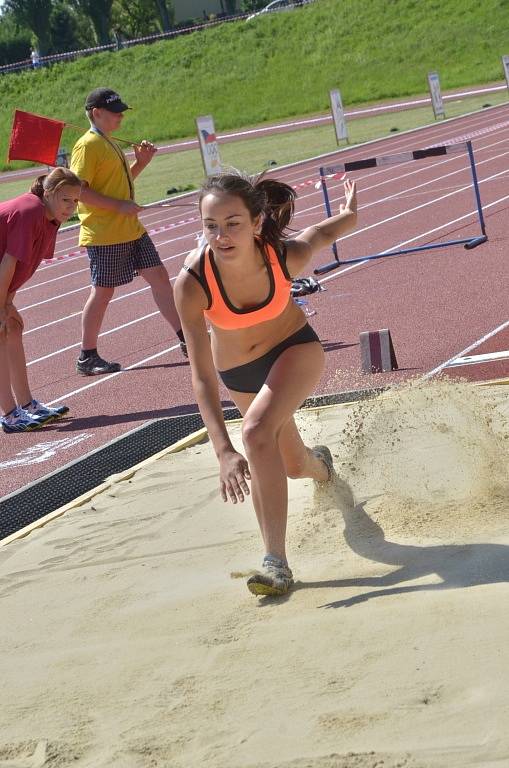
(468, 349)
(338, 274)
(36, 454)
(52, 280)
(117, 298)
(60, 320)
(420, 207)
(367, 205)
(457, 188)
(75, 314)
(87, 269)
(333, 187)
(104, 333)
(306, 121)
(345, 237)
(488, 357)
(61, 295)
(314, 207)
(113, 375)
(418, 237)
(445, 132)
(429, 167)
(54, 298)
(473, 119)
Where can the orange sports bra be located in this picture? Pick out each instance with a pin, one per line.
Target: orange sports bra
(222, 313)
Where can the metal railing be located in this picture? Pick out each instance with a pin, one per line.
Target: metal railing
(114, 46)
(119, 45)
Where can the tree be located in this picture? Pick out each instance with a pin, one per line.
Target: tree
(166, 14)
(14, 41)
(70, 29)
(252, 5)
(229, 6)
(134, 18)
(34, 15)
(99, 13)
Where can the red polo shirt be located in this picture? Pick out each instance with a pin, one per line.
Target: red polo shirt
(27, 235)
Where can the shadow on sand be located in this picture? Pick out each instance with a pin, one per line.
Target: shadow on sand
(457, 565)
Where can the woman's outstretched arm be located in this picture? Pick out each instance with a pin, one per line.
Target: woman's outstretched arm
(233, 468)
(312, 239)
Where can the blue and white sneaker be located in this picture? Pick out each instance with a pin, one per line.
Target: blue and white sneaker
(44, 412)
(20, 420)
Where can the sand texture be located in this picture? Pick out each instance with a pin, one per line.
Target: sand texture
(129, 639)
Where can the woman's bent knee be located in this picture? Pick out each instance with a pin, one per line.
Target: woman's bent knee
(257, 436)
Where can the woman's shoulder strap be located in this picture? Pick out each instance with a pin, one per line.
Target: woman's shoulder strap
(200, 275)
(281, 254)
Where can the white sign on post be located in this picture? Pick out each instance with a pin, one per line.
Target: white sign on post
(436, 95)
(338, 115)
(208, 145)
(505, 64)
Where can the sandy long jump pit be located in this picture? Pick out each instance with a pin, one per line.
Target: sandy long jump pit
(129, 639)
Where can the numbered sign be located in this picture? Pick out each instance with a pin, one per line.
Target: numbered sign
(208, 145)
(338, 115)
(436, 94)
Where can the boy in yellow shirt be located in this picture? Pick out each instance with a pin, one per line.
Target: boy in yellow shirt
(118, 245)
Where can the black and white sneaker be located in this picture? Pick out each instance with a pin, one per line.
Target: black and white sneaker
(324, 454)
(93, 365)
(275, 578)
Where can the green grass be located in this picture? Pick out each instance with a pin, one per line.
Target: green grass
(276, 66)
(184, 170)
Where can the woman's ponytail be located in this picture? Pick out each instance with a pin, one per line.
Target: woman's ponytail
(37, 187)
(272, 200)
(279, 209)
(50, 182)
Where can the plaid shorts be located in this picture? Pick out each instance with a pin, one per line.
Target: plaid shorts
(114, 265)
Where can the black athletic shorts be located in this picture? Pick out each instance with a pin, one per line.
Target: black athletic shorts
(251, 377)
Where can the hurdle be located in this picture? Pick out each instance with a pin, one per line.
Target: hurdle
(402, 157)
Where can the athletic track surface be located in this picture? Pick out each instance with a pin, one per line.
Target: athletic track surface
(438, 304)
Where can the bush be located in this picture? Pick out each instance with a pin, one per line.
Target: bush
(15, 44)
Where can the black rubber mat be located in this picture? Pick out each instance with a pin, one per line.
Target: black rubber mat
(29, 504)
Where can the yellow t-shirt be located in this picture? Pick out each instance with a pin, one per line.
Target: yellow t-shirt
(99, 162)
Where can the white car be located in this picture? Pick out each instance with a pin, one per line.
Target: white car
(276, 5)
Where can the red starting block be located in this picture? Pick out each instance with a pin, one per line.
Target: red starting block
(377, 351)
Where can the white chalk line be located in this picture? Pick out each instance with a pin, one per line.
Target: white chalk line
(468, 349)
(338, 274)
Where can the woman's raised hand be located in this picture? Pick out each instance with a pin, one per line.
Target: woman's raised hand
(351, 197)
(233, 473)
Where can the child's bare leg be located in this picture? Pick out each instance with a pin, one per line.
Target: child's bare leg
(7, 402)
(17, 364)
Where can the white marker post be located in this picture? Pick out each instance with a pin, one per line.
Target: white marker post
(505, 64)
(208, 145)
(436, 95)
(338, 115)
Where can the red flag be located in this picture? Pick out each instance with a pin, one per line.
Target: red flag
(35, 138)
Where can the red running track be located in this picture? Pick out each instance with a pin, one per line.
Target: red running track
(438, 304)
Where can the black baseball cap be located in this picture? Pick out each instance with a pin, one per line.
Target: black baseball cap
(105, 98)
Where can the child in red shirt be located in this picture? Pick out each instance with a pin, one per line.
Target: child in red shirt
(28, 229)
